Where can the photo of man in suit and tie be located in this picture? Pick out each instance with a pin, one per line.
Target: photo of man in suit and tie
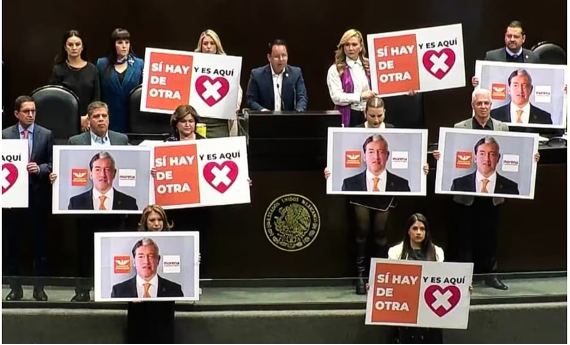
(520, 110)
(376, 178)
(146, 283)
(486, 179)
(102, 196)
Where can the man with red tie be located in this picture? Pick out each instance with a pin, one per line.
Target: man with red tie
(40, 143)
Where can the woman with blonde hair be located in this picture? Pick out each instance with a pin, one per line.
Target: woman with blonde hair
(210, 43)
(348, 79)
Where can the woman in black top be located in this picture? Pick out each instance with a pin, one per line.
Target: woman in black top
(183, 123)
(72, 70)
(151, 322)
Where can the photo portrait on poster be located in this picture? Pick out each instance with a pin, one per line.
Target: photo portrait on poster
(147, 265)
(425, 59)
(525, 95)
(419, 294)
(366, 161)
(113, 179)
(15, 176)
(486, 163)
(208, 82)
(199, 173)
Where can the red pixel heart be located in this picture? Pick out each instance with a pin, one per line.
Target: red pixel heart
(439, 71)
(10, 172)
(212, 90)
(221, 176)
(450, 296)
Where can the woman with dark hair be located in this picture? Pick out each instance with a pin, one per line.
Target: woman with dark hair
(417, 245)
(72, 70)
(151, 322)
(120, 72)
(183, 122)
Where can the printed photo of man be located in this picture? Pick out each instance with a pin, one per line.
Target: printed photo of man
(102, 196)
(376, 178)
(146, 283)
(520, 110)
(486, 179)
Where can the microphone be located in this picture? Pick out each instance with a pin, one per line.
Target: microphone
(280, 98)
(295, 99)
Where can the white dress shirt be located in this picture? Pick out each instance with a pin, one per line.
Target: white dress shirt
(108, 201)
(525, 117)
(277, 88)
(100, 141)
(490, 185)
(370, 181)
(360, 80)
(519, 52)
(153, 290)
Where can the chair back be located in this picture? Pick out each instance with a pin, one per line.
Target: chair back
(550, 53)
(144, 122)
(57, 110)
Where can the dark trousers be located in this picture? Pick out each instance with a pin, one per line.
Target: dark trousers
(87, 226)
(356, 118)
(150, 323)
(16, 222)
(474, 238)
(370, 224)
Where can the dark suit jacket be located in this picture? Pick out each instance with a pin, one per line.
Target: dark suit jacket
(467, 184)
(500, 55)
(293, 92)
(128, 289)
(385, 123)
(84, 201)
(357, 183)
(85, 139)
(537, 115)
(42, 154)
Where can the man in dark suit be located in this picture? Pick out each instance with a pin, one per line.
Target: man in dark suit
(486, 179)
(375, 178)
(146, 283)
(520, 110)
(513, 50)
(97, 135)
(102, 196)
(277, 86)
(40, 143)
(476, 219)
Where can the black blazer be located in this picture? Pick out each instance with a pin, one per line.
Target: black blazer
(537, 115)
(42, 154)
(84, 201)
(385, 123)
(500, 54)
(467, 184)
(128, 289)
(357, 183)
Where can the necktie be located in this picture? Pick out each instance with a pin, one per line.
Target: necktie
(102, 199)
(146, 290)
(26, 135)
(515, 56)
(375, 187)
(519, 115)
(484, 186)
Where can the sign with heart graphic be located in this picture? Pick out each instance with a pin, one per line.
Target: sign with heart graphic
(14, 176)
(442, 300)
(439, 64)
(425, 59)
(212, 90)
(10, 175)
(419, 293)
(208, 82)
(221, 176)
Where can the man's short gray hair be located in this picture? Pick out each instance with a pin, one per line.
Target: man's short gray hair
(486, 140)
(145, 242)
(482, 92)
(374, 137)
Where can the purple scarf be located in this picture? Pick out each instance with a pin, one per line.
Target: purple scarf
(347, 87)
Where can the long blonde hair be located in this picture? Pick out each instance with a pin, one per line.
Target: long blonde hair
(340, 57)
(158, 209)
(214, 36)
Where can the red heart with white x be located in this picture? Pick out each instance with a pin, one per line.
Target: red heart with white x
(442, 300)
(10, 173)
(212, 90)
(439, 64)
(221, 176)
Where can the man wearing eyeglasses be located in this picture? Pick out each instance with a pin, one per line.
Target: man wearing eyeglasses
(40, 146)
(277, 86)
